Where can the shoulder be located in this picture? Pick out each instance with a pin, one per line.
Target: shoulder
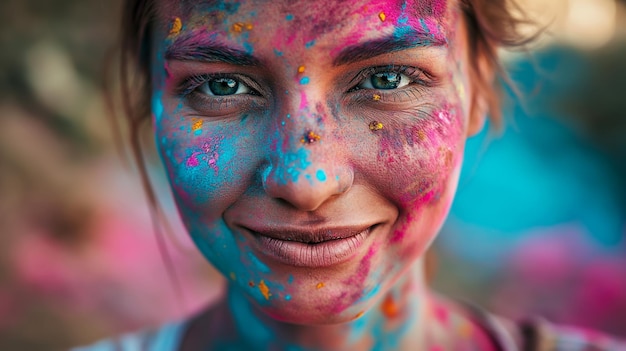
(165, 338)
(539, 335)
(543, 336)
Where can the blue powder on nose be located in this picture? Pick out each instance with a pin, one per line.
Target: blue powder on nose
(304, 80)
(321, 176)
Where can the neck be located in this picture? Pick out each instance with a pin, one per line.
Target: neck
(395, 322)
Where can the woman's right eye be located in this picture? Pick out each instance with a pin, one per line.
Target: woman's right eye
(224, 86)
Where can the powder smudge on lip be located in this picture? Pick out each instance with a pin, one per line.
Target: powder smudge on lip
(265, 291)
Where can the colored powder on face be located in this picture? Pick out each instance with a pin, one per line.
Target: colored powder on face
(304, 80)
(389, 307)
(197, 124)
(289, 17)
(251, 284)
(321, 176)
(376, 126)
(376, 97)
(359, 315)
(382, 16)
(309, 44)
(233, 276)
(265, 291)
(192, 161)
(278, 53)
(290, 280)
(176, 27)
(319, 285)
(310, 138)
(288, 297)
(301, 69)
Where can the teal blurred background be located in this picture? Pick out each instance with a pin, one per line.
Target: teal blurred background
(538, 226)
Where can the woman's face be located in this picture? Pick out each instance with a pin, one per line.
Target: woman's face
(313, 147)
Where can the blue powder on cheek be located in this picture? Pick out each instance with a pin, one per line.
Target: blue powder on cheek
(321, 176)
(157, 105)
(278, 53)
(309, 44)
(304, 80)
(289, 17)
(288, 297)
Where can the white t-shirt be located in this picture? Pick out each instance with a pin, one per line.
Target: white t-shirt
(166, 338)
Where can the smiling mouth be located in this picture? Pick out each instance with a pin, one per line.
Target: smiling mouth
(319, 248)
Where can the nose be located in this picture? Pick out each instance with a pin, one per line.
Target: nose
(308, 170)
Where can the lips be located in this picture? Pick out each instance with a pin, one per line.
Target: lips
(310, 248)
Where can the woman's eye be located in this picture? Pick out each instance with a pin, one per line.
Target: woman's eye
(223, 87)
(385, 81)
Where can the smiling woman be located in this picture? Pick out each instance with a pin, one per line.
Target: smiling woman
(313, 149)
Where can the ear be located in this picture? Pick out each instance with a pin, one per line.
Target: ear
(483, 95)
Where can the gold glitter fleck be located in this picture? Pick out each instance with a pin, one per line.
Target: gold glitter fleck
(382, 16)
(359, 315)
(238, 27)
(301, 69)
(319, 285)
(376, 97)
(376, 126)
(177, 26)
(265, 291)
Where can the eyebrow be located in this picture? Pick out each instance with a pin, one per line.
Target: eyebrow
(408, 40)
(192, 48)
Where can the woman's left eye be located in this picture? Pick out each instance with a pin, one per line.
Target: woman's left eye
(385, 81)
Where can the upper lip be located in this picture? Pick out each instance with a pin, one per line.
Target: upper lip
(310, 235)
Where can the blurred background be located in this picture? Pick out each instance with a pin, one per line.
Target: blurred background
(538, 226)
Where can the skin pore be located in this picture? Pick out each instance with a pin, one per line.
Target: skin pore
(313, 148)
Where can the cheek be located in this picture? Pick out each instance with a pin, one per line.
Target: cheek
(202, 164)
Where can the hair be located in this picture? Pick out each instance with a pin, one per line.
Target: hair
(490, 25)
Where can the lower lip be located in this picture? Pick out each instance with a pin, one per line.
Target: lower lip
(298, 254)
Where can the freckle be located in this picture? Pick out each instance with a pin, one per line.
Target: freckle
(233, 276)
(319, 285)
(251, 284)
(376, 97)
(376, 126)
(301, 69)
(176, 27)
(265, 291)
(389, 307)
(382, 16)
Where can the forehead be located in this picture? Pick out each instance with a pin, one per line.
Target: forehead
(288, 22)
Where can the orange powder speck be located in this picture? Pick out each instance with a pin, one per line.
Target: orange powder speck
(177, 25)
(319, 285)
(249, 26)
(376, 126)
(233, 276)
(382, 16)
(301, 69)
(376, 97)
(359, 315)
(238, 27)
(421, 135)
(389, 307)
(265, 291)
(197, 124)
